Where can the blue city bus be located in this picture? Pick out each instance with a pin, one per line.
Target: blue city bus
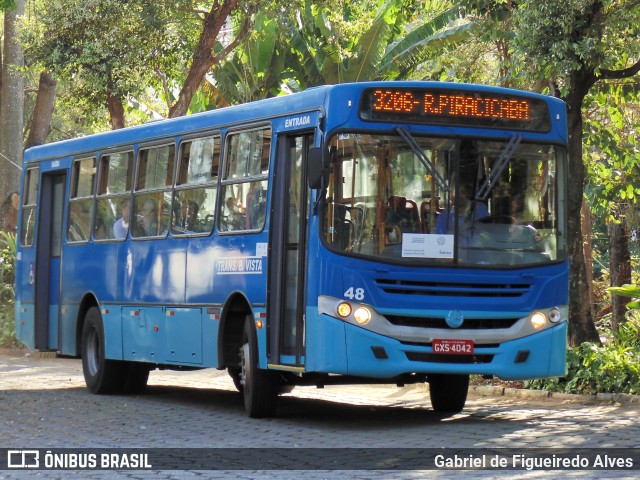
(378, 232)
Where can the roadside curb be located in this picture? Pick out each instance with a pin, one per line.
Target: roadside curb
(26, 352)
(611, 398)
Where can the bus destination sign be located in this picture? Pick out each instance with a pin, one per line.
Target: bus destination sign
(455, 107)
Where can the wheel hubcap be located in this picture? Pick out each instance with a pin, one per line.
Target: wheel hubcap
(245, 369)
(92, 353)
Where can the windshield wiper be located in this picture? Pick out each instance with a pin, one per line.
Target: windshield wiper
(426, 163)
(498, 168)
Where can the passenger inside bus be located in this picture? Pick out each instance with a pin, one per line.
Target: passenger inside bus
(121, 226)
(403, 213)
(190, 211)
(462, 206)
(148, 221)
(256, 206)
(235, 216)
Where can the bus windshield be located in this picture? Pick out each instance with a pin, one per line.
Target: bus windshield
(414, 199)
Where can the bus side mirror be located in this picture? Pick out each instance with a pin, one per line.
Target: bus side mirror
(316, 162)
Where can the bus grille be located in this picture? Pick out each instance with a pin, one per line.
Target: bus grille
(468, 324)
(452, 289)
(443, 358)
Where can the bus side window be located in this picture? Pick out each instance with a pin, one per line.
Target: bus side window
(113, 196)
(192, 211)
(103, 228)
(256, 205)
(233, 212)
(81, 200)
(151, 214)
(153, 198)
(30, 195)
(245, 180)
(194, 200)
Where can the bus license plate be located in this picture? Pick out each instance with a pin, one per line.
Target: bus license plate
(455, 347)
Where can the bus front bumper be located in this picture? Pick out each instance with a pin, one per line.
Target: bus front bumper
(337, 347)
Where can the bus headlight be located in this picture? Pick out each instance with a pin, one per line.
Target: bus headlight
(362, 315)
(538, 320)
(344, 309)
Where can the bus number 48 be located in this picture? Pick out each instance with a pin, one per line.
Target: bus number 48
(354, 294)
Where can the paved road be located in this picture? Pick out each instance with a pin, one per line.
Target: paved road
(43, 404)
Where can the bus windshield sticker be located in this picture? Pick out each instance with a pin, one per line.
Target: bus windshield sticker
(423, 245)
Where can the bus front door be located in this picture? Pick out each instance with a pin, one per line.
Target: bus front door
(49, 247)
(287, 257)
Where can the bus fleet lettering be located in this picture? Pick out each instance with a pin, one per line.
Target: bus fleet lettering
(239, 266)
(297, 121)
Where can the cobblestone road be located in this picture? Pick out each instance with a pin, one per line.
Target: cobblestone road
(43, 404)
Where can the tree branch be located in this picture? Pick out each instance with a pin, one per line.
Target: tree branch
(236, 41)
(606, 74)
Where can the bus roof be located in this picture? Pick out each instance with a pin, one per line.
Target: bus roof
(316, 98)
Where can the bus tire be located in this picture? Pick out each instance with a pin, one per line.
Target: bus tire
(100, 375)
(448, 393)
(259, 387)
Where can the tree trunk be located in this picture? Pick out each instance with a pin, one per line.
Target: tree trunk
(588, 251)
(581, 327)
(43, 111)
(116, 112)
(619, 269)
(12, 106)
(203, 56)
(1, 76)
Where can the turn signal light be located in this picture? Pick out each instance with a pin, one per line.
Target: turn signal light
(344, 309)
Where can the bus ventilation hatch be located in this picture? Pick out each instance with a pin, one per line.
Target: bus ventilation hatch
(438, 322)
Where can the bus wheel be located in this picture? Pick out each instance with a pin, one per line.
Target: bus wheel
(100, 375)
(448, 392)
(136, 376)
(259, 387)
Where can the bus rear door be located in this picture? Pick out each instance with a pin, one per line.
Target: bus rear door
(49, 248)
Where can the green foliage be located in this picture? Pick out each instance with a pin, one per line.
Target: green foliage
(438, 30)
(632, 291)
(558, 39)
(340, 41)
(256, 68)
(613, 367)
(612, 149)
(7, 5)
(112, 48)
(7, 292)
